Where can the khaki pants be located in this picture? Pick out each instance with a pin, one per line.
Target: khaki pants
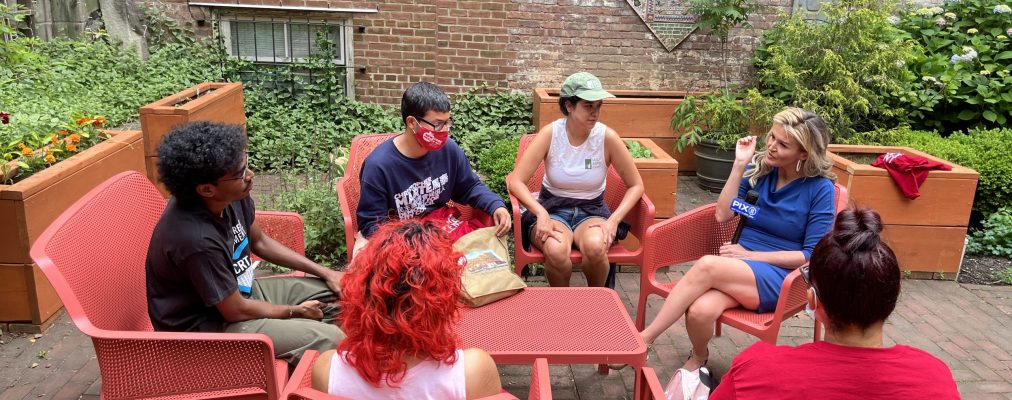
(294, 336)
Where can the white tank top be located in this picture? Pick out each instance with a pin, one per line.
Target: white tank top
(576, 172)
(426, 380)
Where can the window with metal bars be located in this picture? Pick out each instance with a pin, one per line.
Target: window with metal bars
(285, 42)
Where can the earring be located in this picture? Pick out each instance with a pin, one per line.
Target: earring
(798, 167)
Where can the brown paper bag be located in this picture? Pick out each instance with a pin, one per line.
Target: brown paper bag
(488, 275)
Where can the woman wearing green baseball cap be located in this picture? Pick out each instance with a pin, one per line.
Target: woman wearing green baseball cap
(570, 209)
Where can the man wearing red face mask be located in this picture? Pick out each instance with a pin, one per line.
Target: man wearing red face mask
(421, 170)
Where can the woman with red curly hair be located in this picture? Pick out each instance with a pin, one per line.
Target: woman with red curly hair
(399, 302)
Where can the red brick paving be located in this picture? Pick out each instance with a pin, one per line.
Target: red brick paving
(969, 327)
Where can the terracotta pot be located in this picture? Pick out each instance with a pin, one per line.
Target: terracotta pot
(927, 234)
(30, 205)
(209, 101)
(632, 113)
(660, 178)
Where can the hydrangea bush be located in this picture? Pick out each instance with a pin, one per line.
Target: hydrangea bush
(964, 68)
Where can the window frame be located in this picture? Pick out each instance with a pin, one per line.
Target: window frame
(343, 25)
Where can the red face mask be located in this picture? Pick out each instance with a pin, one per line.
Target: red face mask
(431, 140)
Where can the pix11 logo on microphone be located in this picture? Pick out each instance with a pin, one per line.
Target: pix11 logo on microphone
(741, 207)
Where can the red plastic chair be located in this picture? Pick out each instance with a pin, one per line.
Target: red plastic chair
(690, 236)
(94, 255)
(349, 193)
(640, 217)
(300, 386)
(654, 389)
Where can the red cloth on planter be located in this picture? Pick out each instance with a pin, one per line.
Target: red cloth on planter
(909, 172)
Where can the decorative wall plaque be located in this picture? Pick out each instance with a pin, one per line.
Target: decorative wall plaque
(669, 20)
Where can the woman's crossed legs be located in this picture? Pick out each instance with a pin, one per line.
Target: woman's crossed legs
(712, 285)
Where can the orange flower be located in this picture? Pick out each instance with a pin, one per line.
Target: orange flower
(99, 121)
(63, 133)
(27, 151)
(74, 138)
(55, 139)
(21, 146)
(83, 121)
(50, 159)
(71, 147)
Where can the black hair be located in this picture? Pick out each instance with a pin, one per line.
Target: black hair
(198, 153)
(421, 98)
(855, 275)
(571, 100)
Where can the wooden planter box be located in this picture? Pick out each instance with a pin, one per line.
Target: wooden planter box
(926, 233)
(29, 206)
(660, 178)
(209, 101)
(632, 113)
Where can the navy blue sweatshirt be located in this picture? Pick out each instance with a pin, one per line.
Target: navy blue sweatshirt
(396, 186)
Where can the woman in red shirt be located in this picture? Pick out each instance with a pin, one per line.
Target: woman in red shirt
(854, 282)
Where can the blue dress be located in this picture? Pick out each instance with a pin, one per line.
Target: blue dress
(793, 218)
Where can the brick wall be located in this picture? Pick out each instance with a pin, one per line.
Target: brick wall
(519, 44)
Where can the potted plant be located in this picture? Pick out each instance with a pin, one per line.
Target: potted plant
(713, 123)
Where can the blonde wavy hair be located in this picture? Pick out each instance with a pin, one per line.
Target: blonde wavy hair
(809, 130)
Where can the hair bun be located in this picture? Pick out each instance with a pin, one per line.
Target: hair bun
(857, 229)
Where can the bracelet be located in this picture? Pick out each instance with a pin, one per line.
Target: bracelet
(290, 310)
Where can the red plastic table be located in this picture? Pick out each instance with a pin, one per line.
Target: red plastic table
(580, 325)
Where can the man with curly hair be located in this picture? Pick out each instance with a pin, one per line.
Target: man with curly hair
(421, 170)
(199, 266)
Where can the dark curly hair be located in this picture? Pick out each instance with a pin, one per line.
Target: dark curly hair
(855, 274)
(197, 153)
(421, 98)
(399, 298)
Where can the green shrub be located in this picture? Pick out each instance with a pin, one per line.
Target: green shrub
(484, 116)
(985, 151)
(1005, 276)
(313, 196)
(963, 68)
(995, 237)
(495, 163)
(849, 69)
(300, 136)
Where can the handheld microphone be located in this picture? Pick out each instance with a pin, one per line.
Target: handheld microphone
(748, 210)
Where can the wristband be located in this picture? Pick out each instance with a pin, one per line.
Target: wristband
(290, 310)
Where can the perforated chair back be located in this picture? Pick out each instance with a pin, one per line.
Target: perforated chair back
(349, 187)
(94, 256)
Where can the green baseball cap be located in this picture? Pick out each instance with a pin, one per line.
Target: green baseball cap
(585, 86)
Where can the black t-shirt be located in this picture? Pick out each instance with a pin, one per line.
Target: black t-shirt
(195, 260)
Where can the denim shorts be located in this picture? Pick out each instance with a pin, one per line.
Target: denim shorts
(571, 217)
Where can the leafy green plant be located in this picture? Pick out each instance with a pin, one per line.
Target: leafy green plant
(723, 117)
(963, 65)
(637, 149)
(495, 163)
(995, 237)
(483, 116)
(312, 196)
(719, 17)
(1005, 276)
(849, 69)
